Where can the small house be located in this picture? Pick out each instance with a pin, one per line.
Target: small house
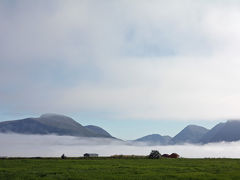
(174, 155)
(165, 155)
(90, 155)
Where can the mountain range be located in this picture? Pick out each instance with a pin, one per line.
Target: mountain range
(193, 134)
(63, 125)
(52, 124)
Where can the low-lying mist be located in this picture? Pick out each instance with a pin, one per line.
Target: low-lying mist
(15, 145)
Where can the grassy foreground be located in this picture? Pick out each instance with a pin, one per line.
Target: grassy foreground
(108, 168)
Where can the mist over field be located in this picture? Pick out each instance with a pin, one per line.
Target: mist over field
(15, 145)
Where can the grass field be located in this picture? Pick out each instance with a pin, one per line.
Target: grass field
(108, 168)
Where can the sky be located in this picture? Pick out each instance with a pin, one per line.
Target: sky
(132, 67)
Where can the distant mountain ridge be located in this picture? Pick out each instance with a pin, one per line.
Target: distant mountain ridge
(154, 139)
(62, 125)
(50, 124)
(193, 134)
(228, 131)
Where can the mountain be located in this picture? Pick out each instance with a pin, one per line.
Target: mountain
(154, 139)
(98, 130)
(63, 125)
(228, 131)
(48, 124)
(190, 134)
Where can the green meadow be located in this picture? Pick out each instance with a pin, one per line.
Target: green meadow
(119, 168)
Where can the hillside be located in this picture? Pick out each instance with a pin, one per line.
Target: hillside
(190, 134)
(98, 130)
(49, 124)
(228, 131)
(154, 139)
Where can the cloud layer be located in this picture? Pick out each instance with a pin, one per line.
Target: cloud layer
(15, 145)
(138, 59)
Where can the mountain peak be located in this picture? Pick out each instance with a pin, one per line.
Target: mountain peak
(233, 120)
(154, 139)
(57, 120)
(192, 125)
(190, 134)
(195, 128)
(48, 115)
(228, 131)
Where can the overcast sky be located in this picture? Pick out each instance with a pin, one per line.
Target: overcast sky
(166, 63)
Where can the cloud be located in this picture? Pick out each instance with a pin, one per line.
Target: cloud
(15, 145)
(138, 59)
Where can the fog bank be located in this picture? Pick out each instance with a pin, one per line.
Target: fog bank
(15, 145)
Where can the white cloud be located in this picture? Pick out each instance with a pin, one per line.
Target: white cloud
(139, 59)
(15, 145)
